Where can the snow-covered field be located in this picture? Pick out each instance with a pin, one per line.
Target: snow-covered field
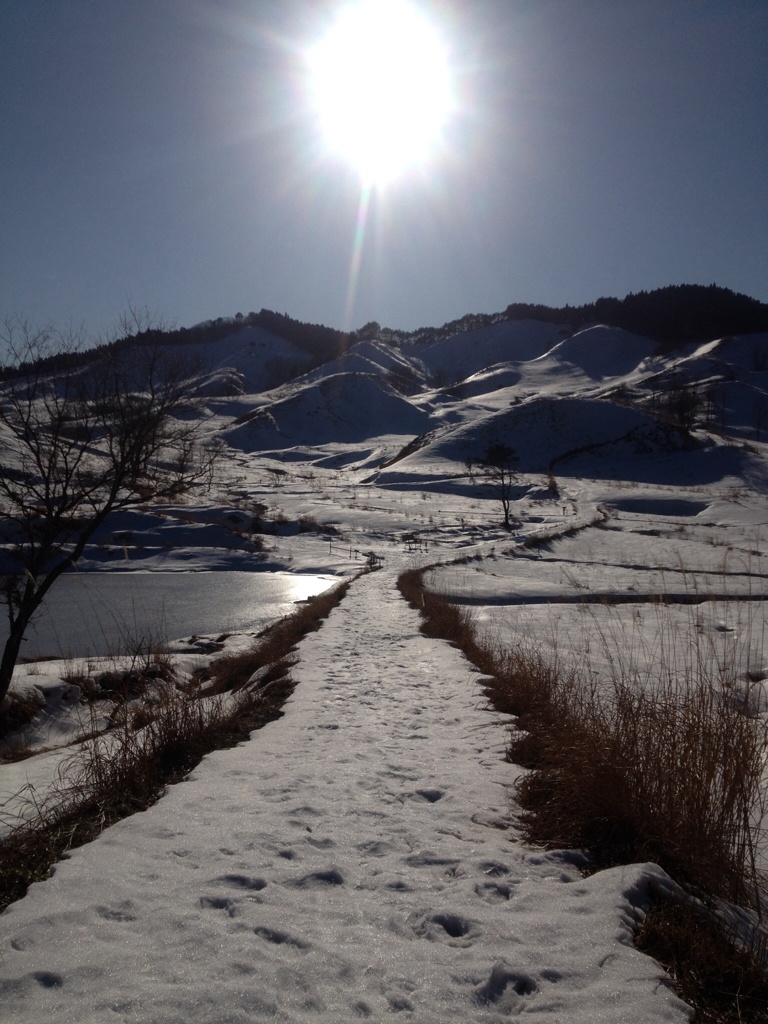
(651, 589)
(359, 857)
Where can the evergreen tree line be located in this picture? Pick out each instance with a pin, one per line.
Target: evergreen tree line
(672, 316)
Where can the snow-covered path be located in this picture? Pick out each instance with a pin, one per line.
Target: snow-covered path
(354, 860)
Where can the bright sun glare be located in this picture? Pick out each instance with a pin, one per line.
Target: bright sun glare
(380, 82)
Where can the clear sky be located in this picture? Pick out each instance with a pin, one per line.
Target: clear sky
(164, 153)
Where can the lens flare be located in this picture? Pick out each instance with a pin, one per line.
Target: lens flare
(380, 83)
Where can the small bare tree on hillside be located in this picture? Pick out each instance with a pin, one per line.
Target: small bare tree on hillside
(80, 438)
(499, 470)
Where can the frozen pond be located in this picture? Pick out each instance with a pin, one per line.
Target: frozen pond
(105, 613)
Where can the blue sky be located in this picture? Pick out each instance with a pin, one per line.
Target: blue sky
(162, 153)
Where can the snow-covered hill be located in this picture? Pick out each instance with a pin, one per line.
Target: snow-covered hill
(552, 397)
(339, 409)
(247, 362)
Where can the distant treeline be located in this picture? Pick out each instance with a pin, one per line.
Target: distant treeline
(314, 339)
(319, 342)
(676, 314)
(672, 316)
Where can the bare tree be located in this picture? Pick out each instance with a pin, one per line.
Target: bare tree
(683, 405)
(499, 470)
(80, 437)
(761, 413)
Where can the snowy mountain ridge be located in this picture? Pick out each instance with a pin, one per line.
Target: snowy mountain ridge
(491, 382)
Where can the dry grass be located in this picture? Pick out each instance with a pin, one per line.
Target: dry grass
(18, 710)
(664, 763)
(125, 770)
(156, 743)
(669, 775)
(726, 983)
(670, 771)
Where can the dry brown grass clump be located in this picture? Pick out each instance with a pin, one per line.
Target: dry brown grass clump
(725, 982)
(671, 772)
(18, 710)
(670, 775)
(443, 620)
(125, 769)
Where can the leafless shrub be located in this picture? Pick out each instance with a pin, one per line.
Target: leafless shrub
(19, 710)
(308, 524)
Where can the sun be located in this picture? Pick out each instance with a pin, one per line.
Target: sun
(380, 83)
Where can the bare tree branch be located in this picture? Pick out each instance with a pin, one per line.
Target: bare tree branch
(80, 438)
(498, 467)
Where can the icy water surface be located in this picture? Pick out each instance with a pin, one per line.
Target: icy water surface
(100, 613)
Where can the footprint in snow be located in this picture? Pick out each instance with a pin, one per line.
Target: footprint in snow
(121, 913)
(430, 796)
(443, 926)
(493, 892)
(376, 847)
(317, 879)
(427, 859)
(219, 903)
(505, 988)
(322, 844)
(493, 868)
(240, 882)
(19, 986)
(280, 938)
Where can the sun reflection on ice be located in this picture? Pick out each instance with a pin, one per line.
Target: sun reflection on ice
(303, 587)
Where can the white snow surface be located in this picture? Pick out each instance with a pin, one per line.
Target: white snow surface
(355, 860)
(342, 407)
(359, 858)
